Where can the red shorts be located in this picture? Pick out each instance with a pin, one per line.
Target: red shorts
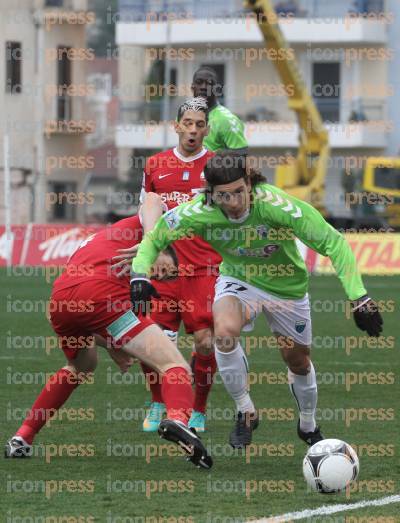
(95, 307)
(188, 299)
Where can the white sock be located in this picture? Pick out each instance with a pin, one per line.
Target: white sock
(233, 369)
(304, 390)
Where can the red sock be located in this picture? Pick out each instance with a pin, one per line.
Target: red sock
(54, 394)
(154, 383)
(203, 369)
(178, 394)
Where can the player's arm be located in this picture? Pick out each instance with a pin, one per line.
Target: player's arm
(149, 212)
(311, 228)
(151, 208)
(170, 227)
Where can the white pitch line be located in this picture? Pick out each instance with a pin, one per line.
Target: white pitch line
(325, 510)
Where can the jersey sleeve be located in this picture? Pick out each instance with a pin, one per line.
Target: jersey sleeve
(231, 130)
(172, 226)
(309, 226)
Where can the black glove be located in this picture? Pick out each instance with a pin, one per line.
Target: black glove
(141, 293)
(367, 316)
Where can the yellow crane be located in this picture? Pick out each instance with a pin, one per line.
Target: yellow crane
(304, 177)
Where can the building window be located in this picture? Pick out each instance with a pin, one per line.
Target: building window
(64, 80)
(326, 90)
(13, 67)
(64, 193)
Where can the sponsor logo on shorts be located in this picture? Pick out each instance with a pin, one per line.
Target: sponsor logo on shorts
(300, 326)
(122, 325)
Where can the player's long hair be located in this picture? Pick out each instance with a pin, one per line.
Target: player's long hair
(227, 167)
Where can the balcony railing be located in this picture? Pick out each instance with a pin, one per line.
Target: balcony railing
(327, 8)
(156, 10)
(264, 110)
(69, 5)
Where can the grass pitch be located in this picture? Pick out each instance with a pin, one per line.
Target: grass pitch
(93, 463)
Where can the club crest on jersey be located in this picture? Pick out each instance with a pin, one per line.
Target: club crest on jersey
(172, 219)
(202, 175)
(185, 176)
(262, 231)
(300, 326)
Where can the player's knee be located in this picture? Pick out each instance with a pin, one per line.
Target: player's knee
(224, 327)
(298, 363)
(226, 335)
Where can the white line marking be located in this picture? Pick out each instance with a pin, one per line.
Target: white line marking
(324, 510)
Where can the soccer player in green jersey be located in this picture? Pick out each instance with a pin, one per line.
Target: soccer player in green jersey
(253, 225)
(226, 129)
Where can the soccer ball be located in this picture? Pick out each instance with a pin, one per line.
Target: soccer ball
(330, 465)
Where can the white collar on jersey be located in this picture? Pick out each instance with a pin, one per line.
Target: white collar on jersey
(187, 159)
(241, 219)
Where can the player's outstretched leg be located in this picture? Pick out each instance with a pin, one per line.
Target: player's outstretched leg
(53, 395)
(233, 367)
(303, 386)
(153, 348)
(204, 367)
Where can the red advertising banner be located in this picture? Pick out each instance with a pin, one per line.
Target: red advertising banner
(16, 240)
(375, 253)
(44, 244)
(53, 244)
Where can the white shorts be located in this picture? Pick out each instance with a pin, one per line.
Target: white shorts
(288, 317)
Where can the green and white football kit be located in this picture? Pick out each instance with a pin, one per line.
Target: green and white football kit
(263, 268)
(260, 255)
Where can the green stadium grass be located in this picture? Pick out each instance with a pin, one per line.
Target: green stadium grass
(134, 486)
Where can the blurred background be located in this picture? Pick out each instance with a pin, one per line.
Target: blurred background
(87, 86)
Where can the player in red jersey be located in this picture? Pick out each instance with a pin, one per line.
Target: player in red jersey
(89, 305)
(177, 176)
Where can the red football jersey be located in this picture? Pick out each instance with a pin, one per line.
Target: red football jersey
(93, 259)
(178, 179)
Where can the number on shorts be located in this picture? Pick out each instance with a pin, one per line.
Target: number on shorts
(235, 287)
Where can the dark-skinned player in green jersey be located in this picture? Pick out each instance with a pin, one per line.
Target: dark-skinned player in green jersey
(226, 129)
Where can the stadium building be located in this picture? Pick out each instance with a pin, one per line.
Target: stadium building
(43, 59)
(346, 50)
